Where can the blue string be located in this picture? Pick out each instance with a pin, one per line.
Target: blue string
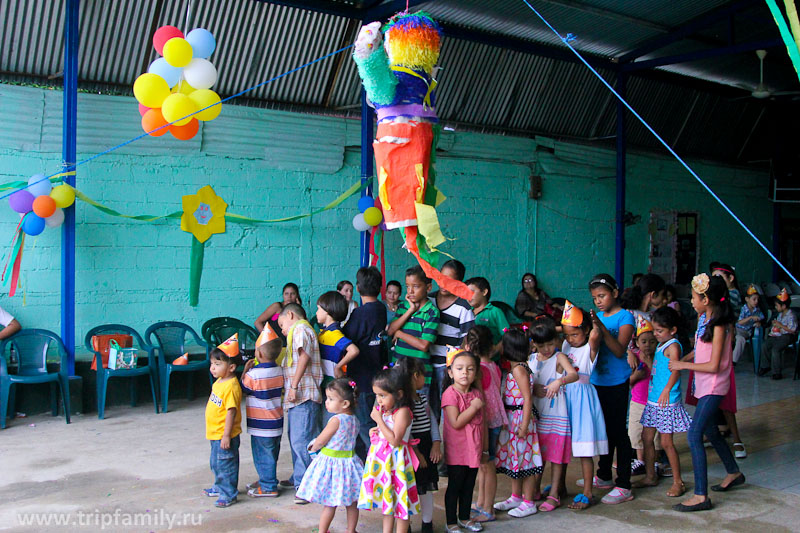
(566, 40)
(129, 141)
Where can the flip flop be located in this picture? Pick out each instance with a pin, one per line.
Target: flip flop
(483, 516)
(583, 501)
(681, 491)
(546, 507)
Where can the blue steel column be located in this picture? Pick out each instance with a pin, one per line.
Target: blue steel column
(619, 257)
(367, 157)
(69, 147)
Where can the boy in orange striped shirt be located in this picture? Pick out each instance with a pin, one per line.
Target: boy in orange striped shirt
(262, 385)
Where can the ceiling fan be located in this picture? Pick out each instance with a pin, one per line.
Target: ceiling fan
(761, 91)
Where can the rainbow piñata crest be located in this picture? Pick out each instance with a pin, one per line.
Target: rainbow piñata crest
(413, 41)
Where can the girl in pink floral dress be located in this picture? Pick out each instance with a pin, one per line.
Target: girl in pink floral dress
(518, 453)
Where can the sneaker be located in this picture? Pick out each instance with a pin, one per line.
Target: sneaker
(741, 452)
(224, 503)
(617, 495)
(637, 467)
(663, 470)
(525, 509)
(507, 505)
(211, 492)
(300, 501)
(286, 483)
(253, 485)
(597, 482)
(470, 525)
(258, 492)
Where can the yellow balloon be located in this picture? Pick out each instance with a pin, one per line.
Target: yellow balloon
(183, 87)
(204, 98)
(178, 52)
(177, 106)
(373, 216)
(64, 195)
(150, 90)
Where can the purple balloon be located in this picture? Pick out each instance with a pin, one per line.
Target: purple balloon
(21, 201)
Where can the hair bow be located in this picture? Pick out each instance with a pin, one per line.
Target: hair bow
(700, 283)
(352, 384)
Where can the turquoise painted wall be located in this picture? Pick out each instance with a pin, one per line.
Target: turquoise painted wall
(270, 164)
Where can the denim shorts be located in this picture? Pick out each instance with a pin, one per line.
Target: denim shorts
(494, 436)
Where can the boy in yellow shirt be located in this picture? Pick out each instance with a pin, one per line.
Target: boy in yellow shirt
(223, 426)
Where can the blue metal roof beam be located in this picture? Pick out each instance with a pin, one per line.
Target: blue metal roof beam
(701, 54)
(374, 12)
(689, 28)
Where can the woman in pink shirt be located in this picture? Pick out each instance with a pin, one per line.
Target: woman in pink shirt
(713, 355)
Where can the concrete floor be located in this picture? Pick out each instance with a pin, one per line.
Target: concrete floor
(136, 471)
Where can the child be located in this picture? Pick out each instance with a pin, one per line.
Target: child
(611, 379)
(670, 299)
(553, 371)
(712, 361)
(465, 437)
(518, 447)
(262, 384)
(365, 328)
(455, 320)
(345, 288)
(728, 273)
(750, 317)
(223, 426)
(781, 334)
(335, 350)
(664, 411)
(428, 447)
(587, 425)
(486, 314)
(389, 483)
(416, 321)
(334, 477)
(393, 290)
(302, 374)
(646, 343)
(479, 342)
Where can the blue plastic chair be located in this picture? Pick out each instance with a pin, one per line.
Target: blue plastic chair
(218, 330)
(169, 338)
(104, 374)
(31, 347)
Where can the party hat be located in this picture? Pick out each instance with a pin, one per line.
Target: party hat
(267, 335)
(642, 325)
(783, 296)
(231, 346)
(751, 290)
(182, 360)
(572, 316)
(451, 354)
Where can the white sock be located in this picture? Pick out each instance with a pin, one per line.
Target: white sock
(426, 503)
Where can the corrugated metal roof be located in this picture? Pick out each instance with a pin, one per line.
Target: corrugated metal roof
(481, 87)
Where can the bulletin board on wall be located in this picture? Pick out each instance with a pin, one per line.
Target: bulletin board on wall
(663, 244)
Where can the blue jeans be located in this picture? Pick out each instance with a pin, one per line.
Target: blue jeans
(265, 458)
(225, 465)
(704, 421)
(303, 426)
(364, 404)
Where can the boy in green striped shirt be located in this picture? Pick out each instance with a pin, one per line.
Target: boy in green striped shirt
(416, 321)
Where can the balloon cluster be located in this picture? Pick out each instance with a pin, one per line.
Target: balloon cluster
(40, 204)
(178, 84)
(369, 215)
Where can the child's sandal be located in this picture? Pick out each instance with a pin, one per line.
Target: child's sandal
(547, 506)
(676, 493)
(581, 502)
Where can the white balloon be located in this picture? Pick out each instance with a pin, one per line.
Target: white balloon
(200, 74)
(38, 185)
(56, 219)
(359, 223)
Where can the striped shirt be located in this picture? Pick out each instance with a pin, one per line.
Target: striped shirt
(423, 421)
(263, 386)
(308, 387)
(422, 325)
(332, 346)
(454, 323)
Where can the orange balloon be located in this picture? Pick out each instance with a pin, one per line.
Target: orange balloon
(44, 206)
(184, 133)
(152, 120)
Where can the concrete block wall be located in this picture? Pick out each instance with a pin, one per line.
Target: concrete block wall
(268, 164)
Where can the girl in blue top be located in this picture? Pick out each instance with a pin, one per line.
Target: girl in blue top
(611, 379)
(664, 411)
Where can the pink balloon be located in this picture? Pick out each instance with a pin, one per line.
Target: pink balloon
(143, 109)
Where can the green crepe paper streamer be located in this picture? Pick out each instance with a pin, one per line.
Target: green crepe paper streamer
(379, 81)
(195, 270)
(786, 35)
(430, 190)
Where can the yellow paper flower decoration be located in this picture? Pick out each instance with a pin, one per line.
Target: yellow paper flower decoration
(203, 214)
